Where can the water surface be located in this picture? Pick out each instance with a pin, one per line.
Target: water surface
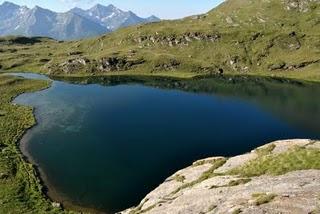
(106, 145)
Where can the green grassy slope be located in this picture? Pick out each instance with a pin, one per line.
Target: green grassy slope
(273, 38)
(20, 189)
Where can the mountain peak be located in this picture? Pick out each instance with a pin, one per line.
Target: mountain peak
(83, 23)
(76, 8)
(40, 9)
(153, 18)
(8, 4)
(98, 5)
(100, 8)
(111, 6)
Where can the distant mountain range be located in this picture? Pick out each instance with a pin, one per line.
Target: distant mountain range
(74, 24)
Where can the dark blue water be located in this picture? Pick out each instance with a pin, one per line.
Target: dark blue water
(106, 147)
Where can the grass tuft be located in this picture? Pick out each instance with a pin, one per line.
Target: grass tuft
(206, 175)
(263, 198)
(295, 159)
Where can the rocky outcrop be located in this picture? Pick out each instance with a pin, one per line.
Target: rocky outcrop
(106, 64)
(300, 5)
(286, 66)
(166, 64)
(73, 65)
(117, 64)
(174, 40)
(290, 42)
(208, 186)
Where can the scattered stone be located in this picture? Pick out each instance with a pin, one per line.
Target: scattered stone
(56, 205)
(298, 5)
(277, 66)
(174, 40)
(229, 20)
(3, 175)
(196, 17)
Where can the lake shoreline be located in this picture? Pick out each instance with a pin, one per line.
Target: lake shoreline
(48, 190)
(175, 75)
(68, 205)
(30, 181)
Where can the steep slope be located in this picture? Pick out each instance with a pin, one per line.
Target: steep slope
(10, 17)
(16, 20)
(273, 38)
(63, 26)
(70, 27)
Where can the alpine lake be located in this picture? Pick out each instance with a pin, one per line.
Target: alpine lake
(103, 143)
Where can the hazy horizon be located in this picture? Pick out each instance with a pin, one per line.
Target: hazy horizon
(163, 9)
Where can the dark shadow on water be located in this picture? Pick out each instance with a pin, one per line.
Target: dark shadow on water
(294, 101)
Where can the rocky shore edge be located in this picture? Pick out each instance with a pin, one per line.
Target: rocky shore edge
(279, 177)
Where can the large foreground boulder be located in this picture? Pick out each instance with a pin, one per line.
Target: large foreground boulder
(281, 177)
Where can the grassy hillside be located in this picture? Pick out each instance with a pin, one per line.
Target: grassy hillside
(273, 38)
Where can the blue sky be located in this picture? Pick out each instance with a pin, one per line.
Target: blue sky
(167, 9)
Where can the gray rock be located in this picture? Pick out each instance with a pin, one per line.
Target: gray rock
(293, 193)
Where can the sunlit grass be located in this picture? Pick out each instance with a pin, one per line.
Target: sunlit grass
(295, 159)
(20, 188)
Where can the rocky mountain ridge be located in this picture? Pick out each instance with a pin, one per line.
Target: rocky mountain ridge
(71, 25)
(111, 17)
